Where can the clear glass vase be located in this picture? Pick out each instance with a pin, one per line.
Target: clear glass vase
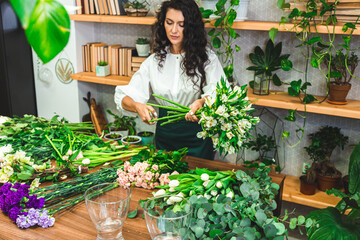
(261, 84)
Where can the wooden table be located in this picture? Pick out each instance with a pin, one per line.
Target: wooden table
(75, 223)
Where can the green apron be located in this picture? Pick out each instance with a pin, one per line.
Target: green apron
(174, 136)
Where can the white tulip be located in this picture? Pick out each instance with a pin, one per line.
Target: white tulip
(205, 183)
(218, 184)
(205, 176)
(213, 192)
(160, 193)
(172, 189)
(174, 183)
(85, 161)
(230, 195)
(207, 196)
(175, 199)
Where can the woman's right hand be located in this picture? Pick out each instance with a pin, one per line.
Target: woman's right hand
(144, 112)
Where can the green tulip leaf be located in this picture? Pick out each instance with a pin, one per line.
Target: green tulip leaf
(48, 29)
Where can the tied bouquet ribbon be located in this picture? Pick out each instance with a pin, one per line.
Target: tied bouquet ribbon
(225, 117)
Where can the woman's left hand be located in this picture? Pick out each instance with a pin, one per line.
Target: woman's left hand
(196, 105)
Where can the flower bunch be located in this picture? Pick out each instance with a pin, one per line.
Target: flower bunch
(142, 174)
(25, 209)
(18, 166)
(225, 117)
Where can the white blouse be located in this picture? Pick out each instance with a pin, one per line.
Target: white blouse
(170, 82)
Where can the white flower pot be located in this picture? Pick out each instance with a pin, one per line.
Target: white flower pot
(143, 50)
(102, 71)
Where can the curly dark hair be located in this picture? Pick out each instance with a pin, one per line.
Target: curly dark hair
(194, 41)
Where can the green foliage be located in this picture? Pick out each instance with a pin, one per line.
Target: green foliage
(46, 24)
(142, 41)
(268, 61)
(102, 63)
(223, 36)
(324, 141)
(168, 162)
(262, 144)
(354, 170)
(124, 122)
(339, 64)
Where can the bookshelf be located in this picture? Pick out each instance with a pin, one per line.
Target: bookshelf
(283, 100)
(113, 80)
(245, 25)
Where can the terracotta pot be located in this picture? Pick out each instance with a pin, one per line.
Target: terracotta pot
(327, 182)
(338, 93)
(305, 188)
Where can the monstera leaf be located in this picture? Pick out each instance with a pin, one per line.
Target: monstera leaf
(331, 225)
(46, 24)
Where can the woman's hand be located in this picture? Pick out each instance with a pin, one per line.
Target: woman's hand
(196, 105)
(144, 112)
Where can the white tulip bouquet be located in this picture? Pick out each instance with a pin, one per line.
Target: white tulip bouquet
(225, 117)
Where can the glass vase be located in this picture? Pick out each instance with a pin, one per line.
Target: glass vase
(261, 84)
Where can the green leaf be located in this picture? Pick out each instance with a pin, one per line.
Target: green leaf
(276, 80)
(48, 30)
(24, 175)
(211, 32)
(199, 231)
(251, 84)
(335, 74)
(313, 40)
(280, 228)
(215, 232)
(292, 224)
(216, 42)
(260, 216)
(280, 4)
(330, 225)
(272, 33)
(301, 220)
(132, 214)
(206, 13)
(286, 65)
(219, 208)
(308, 98)
(354, 170)
(305, 85)
(285, 134)
(23, 10)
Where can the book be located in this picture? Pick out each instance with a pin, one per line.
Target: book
(91, 5)
(96, 4)
(121, 8)
(95, 54)
(111, 57)
(111, 4)
(86, 7)
(83, 47)
(135, 64)
(117, 69)
(106, 57)
(101, 6)
(117, 7)
(138, 59)
(126, 61)
(134, 69)
(106, 9)
(79, 5)
(130, 52)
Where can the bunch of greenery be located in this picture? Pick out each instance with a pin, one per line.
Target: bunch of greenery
(168, 162)
(223, 36)
(268, 61)
(124, 122)
(333, 222)
(142, 41)
(102, 63)
(229, 205)
(341, 66)
(313, 47)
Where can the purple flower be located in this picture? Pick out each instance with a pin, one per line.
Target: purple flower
(45, 220)
(21, 222)
(14, 213)
(16, 185)
(5, 188)
(33, 216)
(24, 189)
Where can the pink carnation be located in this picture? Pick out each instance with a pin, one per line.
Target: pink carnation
(149, 176)
(155, 167)
(126, 165)
(175, 173)
(164, 179)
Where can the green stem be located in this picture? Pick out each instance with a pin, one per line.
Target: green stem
(168, 108)
(52, 144)
(167, 100)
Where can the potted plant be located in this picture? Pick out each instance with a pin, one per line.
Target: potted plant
(342, 68)
(263, 145)
(123, 125)
(147, 137)
(113, 136)
(143, 47)
(323, 142)
(266, 62)
(136, 8)
(131, 140)
(308, 181)
(102, 69)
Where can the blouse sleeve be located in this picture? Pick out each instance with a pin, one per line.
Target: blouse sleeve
(138, 88)
(214, 71)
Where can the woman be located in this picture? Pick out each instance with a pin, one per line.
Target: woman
(181, 69)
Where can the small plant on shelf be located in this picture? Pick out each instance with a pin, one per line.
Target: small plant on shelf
(266, 63)
(136, 8)
(143, 47)
(323, 142)
(122, 123)
(102, 69)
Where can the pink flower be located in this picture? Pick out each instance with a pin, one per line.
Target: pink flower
(175, 173)
(151, 186)
(164, 179)
(132, 177)
(144, 166)
(149, 175)
(138, 181)
(155, 167)
(126, 165)
(157, 176)
(80, 155)
(145, 185)
(156, 184)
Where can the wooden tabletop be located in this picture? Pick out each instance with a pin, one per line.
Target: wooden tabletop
(75, 223)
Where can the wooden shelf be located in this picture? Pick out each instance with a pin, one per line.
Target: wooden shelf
(244, 25)
(109, 80)
(283, 100)
(291, 193)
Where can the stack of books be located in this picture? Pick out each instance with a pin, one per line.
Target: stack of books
(123, 61)
(347, 10)
(105, 7)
